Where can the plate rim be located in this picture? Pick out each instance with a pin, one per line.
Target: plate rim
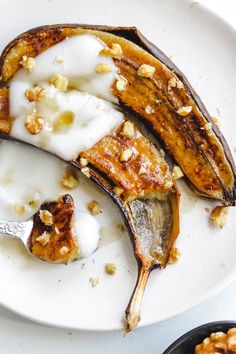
(214, 291)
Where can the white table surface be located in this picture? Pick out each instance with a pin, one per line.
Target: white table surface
(18, 336)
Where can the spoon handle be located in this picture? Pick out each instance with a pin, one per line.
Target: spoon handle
(16, 229)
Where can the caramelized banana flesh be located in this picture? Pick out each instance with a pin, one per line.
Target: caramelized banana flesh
(143, 185)
(149, 201)
(47, 241)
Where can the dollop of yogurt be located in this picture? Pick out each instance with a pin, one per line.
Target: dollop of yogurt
(86, 230)
(29, 177)
(75, 58)
(86, 101)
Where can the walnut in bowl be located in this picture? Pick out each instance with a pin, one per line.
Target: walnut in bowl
(211, 338)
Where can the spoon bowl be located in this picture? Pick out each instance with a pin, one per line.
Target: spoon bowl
(54, 241)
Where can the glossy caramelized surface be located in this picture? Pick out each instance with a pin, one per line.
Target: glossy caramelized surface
(144, 174)
(174, 130)
(61, 232)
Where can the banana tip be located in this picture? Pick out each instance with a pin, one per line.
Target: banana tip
(131, 322)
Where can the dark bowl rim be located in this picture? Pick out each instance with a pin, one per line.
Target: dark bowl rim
(196, 329)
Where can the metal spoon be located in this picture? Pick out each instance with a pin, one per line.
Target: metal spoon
(29, 231)
(19, 230)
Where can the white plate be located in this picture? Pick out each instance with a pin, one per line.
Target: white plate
(204, 47)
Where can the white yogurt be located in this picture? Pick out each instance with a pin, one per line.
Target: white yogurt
(80, 55)
(27, 174)
(85, 226)
(93, 117)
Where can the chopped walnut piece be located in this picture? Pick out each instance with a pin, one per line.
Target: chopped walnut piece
(34, 124)
(216, 121)
(27, 63)
(94, 207)
(114, 51)
(69, 180)
(35, 93)
(110, 268)
(177, 172)
(174, 255)
(162, 152)
(231, 331)
(46, 217)
(168, 183)
(120, 84)
(5, 126)
(94, 281)
(34, 203)
(208, 128)
(128, 129)
(184, 111)
(221, 336)
(118, 191)
(60, 82)
(219, 341)
(120, 227)
(83, 161)
(86, 171)
(64, 250)
(149, 110)
(174, 82)
(58, 60)
(179, 85)
(142, 170)
(219, 216)
(44, 238)
(126, 155)
(231, 339)
(103, 68)
(146, 70)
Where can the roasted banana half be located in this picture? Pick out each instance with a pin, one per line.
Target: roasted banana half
(153, 88)
(64, 88)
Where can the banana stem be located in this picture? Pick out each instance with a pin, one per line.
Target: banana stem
(133, 309)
